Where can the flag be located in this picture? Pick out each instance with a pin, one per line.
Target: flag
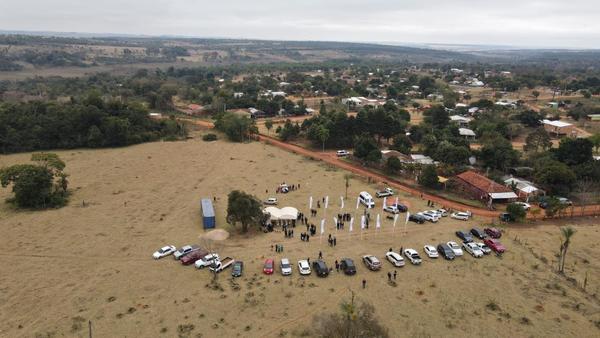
(384, 202)
(342, 199)
(407, 217)
(322, 226)
(357, 202)
(326, 201)
(395, 219)
(351, 222)
(310, 203)
(396, 200)
(335, 221)
(378, 224)
(362, 222)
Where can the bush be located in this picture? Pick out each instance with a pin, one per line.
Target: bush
(209, 137)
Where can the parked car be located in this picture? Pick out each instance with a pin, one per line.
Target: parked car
(268, 267)
(221, 264)
(495, 245)
(562, 200)
(385, 192)
(271, 201)
(193, 257)
(321, 268)
(465, 236)
(442, 212)
(366, 199)
(430, 216)
(463, 216)
(391, 209)
(164, 251)
(184, 250)
(525, 206)
(347, 265)
(286, 267)
(430, 251)
(493, 232)
(372, 262)
(237, 269)
(473, 249)
(506, 217)
(394, 258)
(416, 218)
(413, 256)
(342, 153)
(486, 249)
(478, 233)
(455, 248)
(446, 251)
(303, 267)
(206, 261)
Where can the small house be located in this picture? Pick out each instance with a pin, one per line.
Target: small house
(558, 128)
(467, 133)
(482, 188)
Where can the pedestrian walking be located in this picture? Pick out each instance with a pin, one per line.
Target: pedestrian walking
(395, 272)
(364, 283)
(320, 255)
(337, 266)
(389, 276)
(334, 241)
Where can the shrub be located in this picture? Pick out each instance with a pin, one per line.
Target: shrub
(209, 137)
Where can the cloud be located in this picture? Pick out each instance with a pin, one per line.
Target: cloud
(553, 23)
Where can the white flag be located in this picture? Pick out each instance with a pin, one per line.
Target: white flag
(351, 223)
(384, 202)
(357, 202)
(335, 221)
(326, 201)
(395, 219)
(310, 203)
(342, 204)
(362, 222)
(396, 201)
(322, 226)
(378, 224)
(407, 217)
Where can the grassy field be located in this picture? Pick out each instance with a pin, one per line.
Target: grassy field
(61, 268)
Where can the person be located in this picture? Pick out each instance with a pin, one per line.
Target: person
(271, 247)
(337, 266)
(395, 272)
(334, 241)
(308, 260)
(390, 250)
(389, 276)
(401, 249)
(364, 282)
(320, 255)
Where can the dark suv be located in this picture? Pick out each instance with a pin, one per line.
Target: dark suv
(416, 218)
(478, 233)
(320, 268)
(446, 251)
(347, 265)
(465, 236)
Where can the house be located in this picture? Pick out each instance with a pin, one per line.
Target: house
(507, 104)
(524, 189)
(466, 132)
(594, 117)
(482, 188)
(421, 159)
(255, 113)
(473, 110)
(363, 102)
(386, 154)
(552, 105)
(435, 97)
(238, 95)
(476, 83)
(461, 105)
(558, 128)
(275, 94)
(460, 120)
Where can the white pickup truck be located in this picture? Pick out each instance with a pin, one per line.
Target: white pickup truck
(220, 265)
(206, 261)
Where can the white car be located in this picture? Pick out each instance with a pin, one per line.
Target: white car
(442, 212)
(385, 192)
(342, 153)
(473, 249)
(413, 256)
(164, 251)
(463, 216)
(525, 206)
(206, 261)
(429, 216)
(271, 201)
(431, 251)
(393, 209)
(484, 248)
(456, 248)
(184, 250)
(286, 267)
(304, 267)
(395, 258)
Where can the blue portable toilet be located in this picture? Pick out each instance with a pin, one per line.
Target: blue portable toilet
(208, 214)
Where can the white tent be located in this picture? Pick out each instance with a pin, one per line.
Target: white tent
(286, 213)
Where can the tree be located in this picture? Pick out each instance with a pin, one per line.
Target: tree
(516, 212)
(236, 127)
(364, 146)
(243, 208)
(402, 144)
(393, 165)
(269, 125)
(556, 177)
(437, 117)
(595, 139)
(566, 235)
(323, 135)
(535, 94)
(574, 151)
(530, 118)
(537, 140)
(39, 185)
(429, 177)
(498, 153)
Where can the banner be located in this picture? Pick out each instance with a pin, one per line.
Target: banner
(342, 204)
(326, 201)
(322, 226)
(310, 203)
(335, 222)
(357, 202)
(378, 224)
(362, 222)
(351, 223)
(384, 203)
(395, 219)
(396, 200)
(407, 217)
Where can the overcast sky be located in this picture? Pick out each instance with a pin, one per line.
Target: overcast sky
(527, 23)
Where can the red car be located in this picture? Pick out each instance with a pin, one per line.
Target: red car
(495, 245)
(493, 232)
(193, 256)
(268, 268)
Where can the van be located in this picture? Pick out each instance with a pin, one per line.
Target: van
(366, 199)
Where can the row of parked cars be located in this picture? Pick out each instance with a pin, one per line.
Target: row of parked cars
(200, 258)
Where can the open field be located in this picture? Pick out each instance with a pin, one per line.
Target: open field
(60, 268)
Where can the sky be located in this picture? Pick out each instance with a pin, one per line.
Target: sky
(522, 23)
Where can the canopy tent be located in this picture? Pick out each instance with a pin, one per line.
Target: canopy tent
(285, 213)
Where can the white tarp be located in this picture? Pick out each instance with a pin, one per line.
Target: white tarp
(503, 195)
(285, 213)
